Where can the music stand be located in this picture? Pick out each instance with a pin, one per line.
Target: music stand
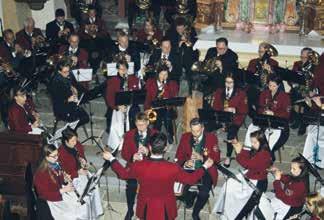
(58, 133)
(290, 75)
(177, 101)
(214, 118)
(270, 121)
(130, 97)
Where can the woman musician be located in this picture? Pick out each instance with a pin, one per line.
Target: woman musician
(120, 118)
(231, 99)
(242, 196)
(315, 204)
(22, 116)
(55, 187)
(161, 88)
(276, 103)
(290, 189)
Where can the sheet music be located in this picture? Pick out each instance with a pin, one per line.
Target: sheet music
(82, 75)
(58, 134)
(112, 70)
(36, 131)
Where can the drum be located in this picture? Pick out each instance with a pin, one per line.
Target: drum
(266, 208)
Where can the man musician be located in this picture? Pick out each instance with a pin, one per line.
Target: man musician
(193, 150)
(135, 147)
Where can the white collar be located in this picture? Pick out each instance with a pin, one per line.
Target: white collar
(230, 91)
(200, 137)
(156, 156)
(164, 54)
(121, 48)
(144, 133)
(73, 49)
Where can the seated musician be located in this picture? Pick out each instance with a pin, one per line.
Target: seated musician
(23, 116)
(93, 18)
(121, 82)
(166, 54)
(240, 198)
(26, 37)
(135, 147)
(290, 189)
(276, 103)
(231, 99)
(156, 177)
(227, 59)
(65, 92)
(315, 204)
(125, 49)
(57, 31)
(194, 148)
(160, 88)
(150, 35)
(79, 56)
(56, 187)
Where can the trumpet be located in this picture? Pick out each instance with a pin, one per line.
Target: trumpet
(7, 68)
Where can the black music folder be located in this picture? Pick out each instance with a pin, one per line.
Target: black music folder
(130, 97)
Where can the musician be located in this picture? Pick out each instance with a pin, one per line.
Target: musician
(228, 59)
(166, 54)
(79, 56)
(22, 116)
(276, 103)
(194, 148)
(290, 189)
(124, 46)
(231, 99)
(56, 187)
(315, 204)
(26, 37)
(57, 31)
(135, 146)
(318, 80)
(65, 91)
(94, 19)
(256, 161)
(150, 35)
(160, 88)
(156, 199)
(119, 83)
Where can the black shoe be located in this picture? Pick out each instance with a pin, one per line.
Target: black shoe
(301, 130)
(195, 217)
(129, 215)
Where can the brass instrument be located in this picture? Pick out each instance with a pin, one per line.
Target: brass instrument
(182, 7)
(7, 68)
(151, 115)
(120, 56)
(208, 66)
(54, 59)
(270, 51)
(39, 42)
(226, 103)
(143, 4)
(185, 37)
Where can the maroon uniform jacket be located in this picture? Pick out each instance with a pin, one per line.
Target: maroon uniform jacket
(100, 25)
(142, 35)
(130, 145)
(5, 52)
(238, 100)
(318, 80)
(297, 66)
(24, 40)
(20, 117)
(256, 165)
(185, 147)
(81, 53)
(171, 90)
(280, 104)
(114, 86)
(292, 193)
(68, 162)
(156, 178)
(48, 185)
(252, 67)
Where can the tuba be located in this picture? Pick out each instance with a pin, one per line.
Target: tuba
(307, 70)
(143, 4)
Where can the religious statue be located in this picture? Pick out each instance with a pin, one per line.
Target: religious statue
(232, 11)
(291, 15)
(218, 14)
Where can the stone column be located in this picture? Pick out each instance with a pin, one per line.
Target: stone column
(14, 14)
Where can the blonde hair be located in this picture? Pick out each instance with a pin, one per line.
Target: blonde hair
(315, 203)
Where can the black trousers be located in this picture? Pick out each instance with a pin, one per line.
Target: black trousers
(131, 187)
(204, 187)
(232, 131)
(262, 185)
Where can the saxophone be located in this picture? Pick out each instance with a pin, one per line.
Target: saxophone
(307, 68)
(263, 73)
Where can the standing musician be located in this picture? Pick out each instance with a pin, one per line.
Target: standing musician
(58, 31)
(193, 150)
(134, 148)
(55, 186)
(23, 116)
(161, 88)
(65, 92)
(273, 102)
(127, 50)
(290, 189)
(167, 55)
(231, 99)
(79, 56)
(156, 199)
(227, 60)
(237, 200)
(115, 84)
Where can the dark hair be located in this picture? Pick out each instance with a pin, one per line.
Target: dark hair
(165, 39)
(308, 49)
(151, 21)
(141, 116)
(63, 63)
(59, 12)
(231, 75)
(74, 35)
(161, 67)
(195, 121)
(7, 31)
(260, 136)
(179, 21)
(158, 143)
(18, 89)
(67, 134)
(302, 165)
(222, 40)
(121, 33)
(46, 151)
(122, 62)
(275, 78)
(92, 7)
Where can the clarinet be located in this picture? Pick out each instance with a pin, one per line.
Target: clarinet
(125, 87)
(68, 180)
